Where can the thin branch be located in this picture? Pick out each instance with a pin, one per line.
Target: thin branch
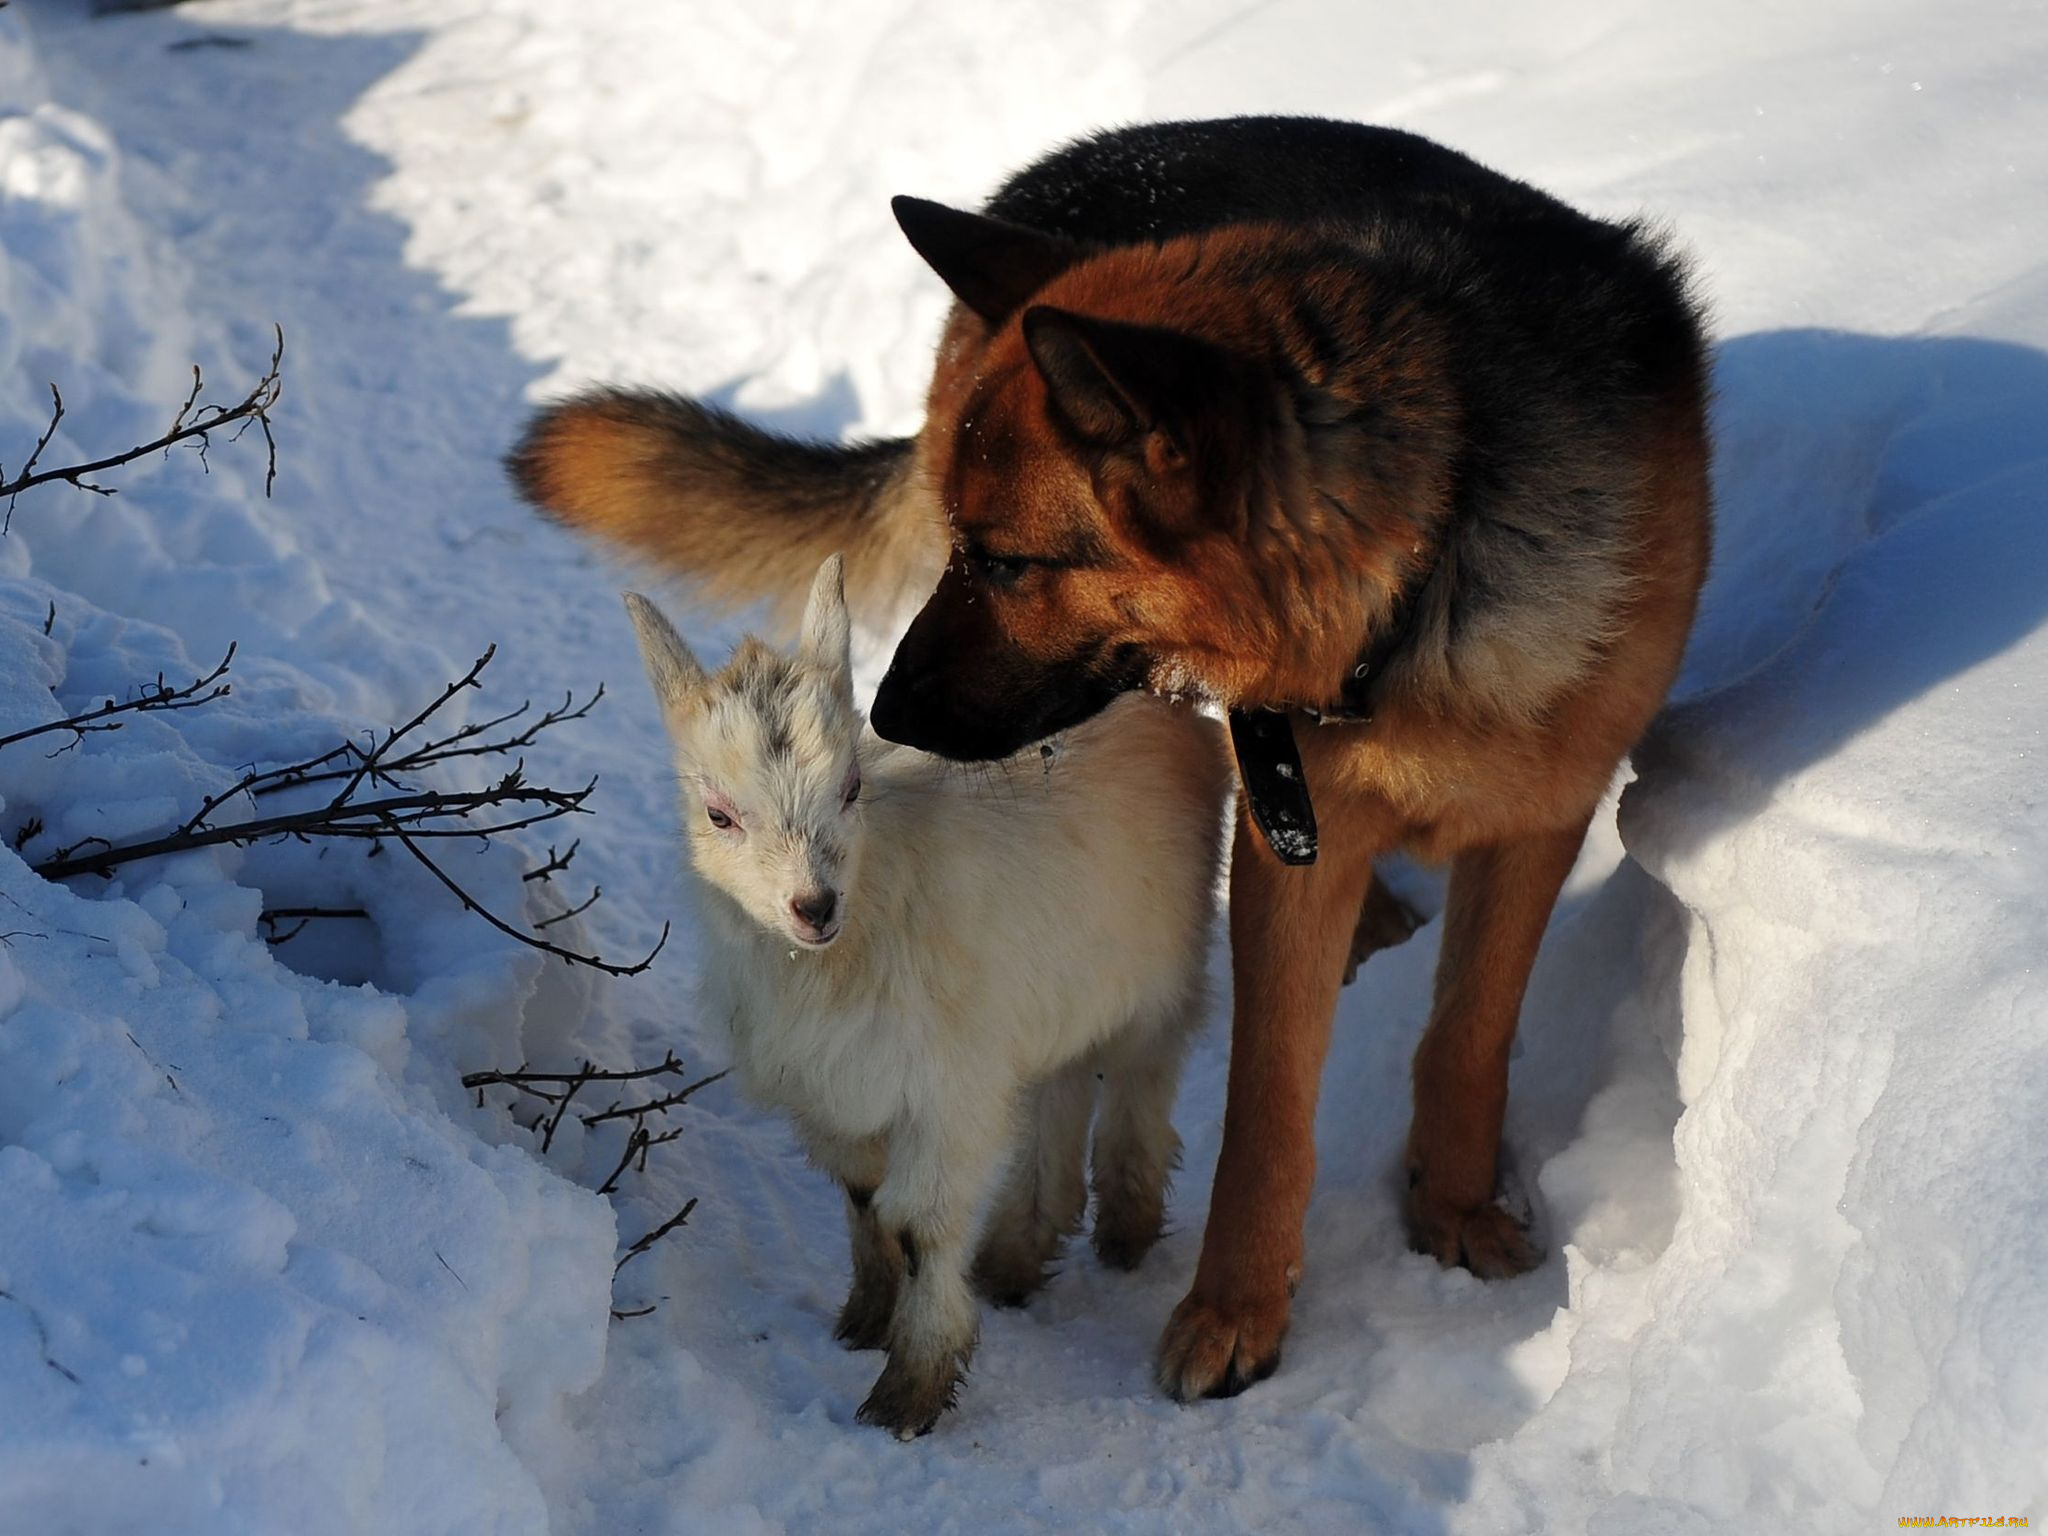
(570, 1084)
(655, 1236)
(155, 1063)
(186, 426)
(192, 399)
(559, 1089)
(562, 917)
(553, 1123)
(393, 816)
(43, 1335)
(654, 1107)
(567, 955)
(555, 864)
(411, 815)
(635, 1143)
(588, 1074)
(56, 415)
(370, 761)
(158, 696)
(270, 917)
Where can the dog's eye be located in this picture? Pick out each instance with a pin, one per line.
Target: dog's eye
(1001, 571)
(719, 819)
(852, 792)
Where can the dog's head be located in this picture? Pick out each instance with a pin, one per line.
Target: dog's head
(767, 754)
(1109, 434)
(1080, 488)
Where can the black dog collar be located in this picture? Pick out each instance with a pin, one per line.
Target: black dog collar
(1269, 759)
(1269, 772)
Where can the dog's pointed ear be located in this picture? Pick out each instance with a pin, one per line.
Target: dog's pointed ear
(991, 265)
(825, 640)
(1117, 383)
(676, 674)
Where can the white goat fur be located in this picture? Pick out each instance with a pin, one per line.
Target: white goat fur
(1006, 935)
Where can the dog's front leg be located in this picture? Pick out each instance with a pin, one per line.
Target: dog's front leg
(1499, 903)
(940, 1165)
(1290, 936)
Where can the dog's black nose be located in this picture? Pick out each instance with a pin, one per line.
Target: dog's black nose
(816, 908)
(895, 714)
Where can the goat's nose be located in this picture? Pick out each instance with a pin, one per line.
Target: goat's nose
(815, 909)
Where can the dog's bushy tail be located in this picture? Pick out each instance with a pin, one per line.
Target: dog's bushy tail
(747, 513)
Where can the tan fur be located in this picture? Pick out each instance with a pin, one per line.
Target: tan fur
(745, 514)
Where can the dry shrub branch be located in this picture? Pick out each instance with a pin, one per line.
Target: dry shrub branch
(193, 424)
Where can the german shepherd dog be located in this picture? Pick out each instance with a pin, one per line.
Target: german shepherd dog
(1402, 462)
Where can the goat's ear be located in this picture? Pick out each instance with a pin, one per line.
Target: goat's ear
(991, 265)
(676, 674)
(824, 642)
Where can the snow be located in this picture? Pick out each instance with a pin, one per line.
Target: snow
(1779, 1102)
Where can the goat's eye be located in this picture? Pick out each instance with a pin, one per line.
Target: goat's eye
(852, 792)
(719, 819)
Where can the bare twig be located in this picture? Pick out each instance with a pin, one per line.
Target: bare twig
(460, 744)
(563, 1100)
(160, 696)
(188, 425)
(154, 1062)
(568, 955)
(521, 1077)
(588, 902)
(653, 1107)
(408, 814)
(373, 760)
(636, 1144)
(559, 1089)
(655, 1236)
(270, 917)
(43, 1335)
(556, 862)
(392, 816)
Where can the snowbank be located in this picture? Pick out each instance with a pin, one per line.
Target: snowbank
(263, 1270)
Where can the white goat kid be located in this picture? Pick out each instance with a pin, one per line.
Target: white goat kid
(928, 970)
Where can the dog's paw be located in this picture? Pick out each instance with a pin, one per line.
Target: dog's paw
(1490, 1240)
(907, 1400)
(1216, 1351)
